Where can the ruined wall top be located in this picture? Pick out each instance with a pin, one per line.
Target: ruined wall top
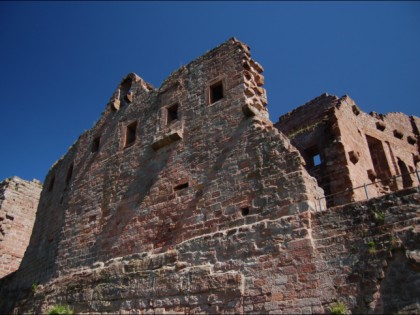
(161, 166)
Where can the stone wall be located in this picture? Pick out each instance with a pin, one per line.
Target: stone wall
(187, 199)
(163, 167)
(354, 148)
(369, 253)
(364, 255)
(18, 204)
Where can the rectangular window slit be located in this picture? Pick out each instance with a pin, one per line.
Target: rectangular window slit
(95, 144)
(130, 135)
(181, 186)
(51, 186)
(69, 175)
(316, 159)
(172, 113)
(216, 92)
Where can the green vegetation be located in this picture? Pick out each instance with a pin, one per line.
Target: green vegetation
(60, 309)
(34, 287)
(379, 216)
(393, 240)
(307, 128)
(372, 247)
(338, 308)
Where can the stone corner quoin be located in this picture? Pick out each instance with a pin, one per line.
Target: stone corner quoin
(187, 198)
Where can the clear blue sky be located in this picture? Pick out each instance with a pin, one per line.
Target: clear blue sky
(60, 62)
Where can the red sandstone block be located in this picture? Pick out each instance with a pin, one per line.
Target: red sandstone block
(307, 268)
(288, 270)
(299, 244)
(258, 283)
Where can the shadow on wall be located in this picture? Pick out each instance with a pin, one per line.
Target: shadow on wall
(400, 290)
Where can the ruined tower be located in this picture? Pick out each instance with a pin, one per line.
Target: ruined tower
(354, 155)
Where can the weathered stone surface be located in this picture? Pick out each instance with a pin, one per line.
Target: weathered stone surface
(18, 203)
(354, 148)
(220, 220)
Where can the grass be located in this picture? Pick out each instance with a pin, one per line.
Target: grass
(34, 287)
(372, 247)
(379, 216)
(338, 308)
(60, 309)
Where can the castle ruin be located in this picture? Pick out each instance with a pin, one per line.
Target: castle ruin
(187, 199)
(354, 155)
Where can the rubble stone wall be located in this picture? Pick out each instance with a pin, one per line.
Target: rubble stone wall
(18, 204)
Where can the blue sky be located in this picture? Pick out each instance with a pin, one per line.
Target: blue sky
(60, 62)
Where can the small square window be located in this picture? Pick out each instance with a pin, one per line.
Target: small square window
(411, 140)
(316, 159)
(130, 134)
(172, 113)
(314, 156)
(380, 126)
(245, 211)
(95, 144)
(398, 134)
(216, 92)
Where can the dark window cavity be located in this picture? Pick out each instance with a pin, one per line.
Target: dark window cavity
(398, 134)
(314, 156)
(181, 186)
(216, 92)
(51, 186)
(245, 211)
(172, 113)
(69, 175)
(95, 144)
(130, 134)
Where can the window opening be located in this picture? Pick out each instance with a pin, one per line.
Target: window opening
(51, 186)
(316, 159)
(125, 91)
(130, 134)
(95, 144)
(245, 211)
(406, 178)
(314, 156)
(411, 140)
(355, 110)
(379, 160)
(380, 126)
(398, 134)
(216, 92)
(69, 175)
(181, 186)
(172, 113)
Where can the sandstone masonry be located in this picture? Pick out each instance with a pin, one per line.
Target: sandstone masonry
(18, 204)
(187, 199)
(345, 148)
